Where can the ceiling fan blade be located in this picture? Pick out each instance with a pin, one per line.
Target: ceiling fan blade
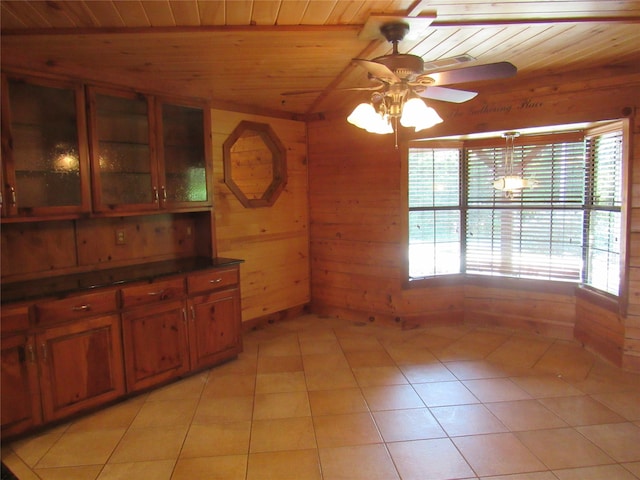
(304, 92)
(447, 94)
(378, 70)
(473, 74)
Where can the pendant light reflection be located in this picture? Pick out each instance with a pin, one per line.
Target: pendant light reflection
(510, 182)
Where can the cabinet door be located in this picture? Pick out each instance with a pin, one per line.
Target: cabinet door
(20, 392)
(214, 327)
(44, 148)
(81, 365)
(184, 155)
(155, 344)
(124, 172)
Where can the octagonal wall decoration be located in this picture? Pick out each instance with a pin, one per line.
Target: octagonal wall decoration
(255, 164)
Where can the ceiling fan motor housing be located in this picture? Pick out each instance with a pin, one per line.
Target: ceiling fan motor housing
(405, 66)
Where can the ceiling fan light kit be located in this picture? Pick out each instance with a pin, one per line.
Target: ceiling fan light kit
(403, 82)
(416, 114)
(365, 116)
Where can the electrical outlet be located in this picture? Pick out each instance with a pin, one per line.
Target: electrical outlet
(120, 238)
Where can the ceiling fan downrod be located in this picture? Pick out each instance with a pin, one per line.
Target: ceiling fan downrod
(394, 33)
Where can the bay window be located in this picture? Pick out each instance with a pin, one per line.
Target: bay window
(565, 225)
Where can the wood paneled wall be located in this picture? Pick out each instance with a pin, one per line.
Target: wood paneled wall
(357, 198)
(273, 240)
(49, 248)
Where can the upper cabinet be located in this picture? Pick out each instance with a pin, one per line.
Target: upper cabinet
(184, 154)
(44, 149)
(121, 152)
(147, 153)
(124, 167)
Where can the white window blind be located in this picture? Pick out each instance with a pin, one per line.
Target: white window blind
(603, 211)
(434, 211)
(537, 233)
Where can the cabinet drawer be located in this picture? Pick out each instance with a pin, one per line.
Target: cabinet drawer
(14, 318)
(136, 295)
(79, 306)
(211, 280)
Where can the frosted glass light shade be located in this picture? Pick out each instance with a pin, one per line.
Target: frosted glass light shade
(415, 113)
(365, 116)
(509, 183)
(361, 115)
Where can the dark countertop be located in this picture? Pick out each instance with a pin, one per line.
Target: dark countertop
(64, 285)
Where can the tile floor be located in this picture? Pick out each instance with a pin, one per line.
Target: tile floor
(318, 398)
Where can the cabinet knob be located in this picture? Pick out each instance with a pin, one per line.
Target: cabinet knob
(155, 194)
(217, 280)
(155, 294)
(164, 193)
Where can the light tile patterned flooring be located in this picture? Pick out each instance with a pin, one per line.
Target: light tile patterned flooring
(319, 398)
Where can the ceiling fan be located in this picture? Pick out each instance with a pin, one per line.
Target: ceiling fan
(401, 79)
(402, 73)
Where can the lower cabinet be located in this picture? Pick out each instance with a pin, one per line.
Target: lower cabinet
(80, 365)
(155, 344)
(82, 351)
(19, 382)
(168, 331)
(214, 329)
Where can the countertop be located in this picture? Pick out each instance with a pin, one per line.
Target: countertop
(64, 285)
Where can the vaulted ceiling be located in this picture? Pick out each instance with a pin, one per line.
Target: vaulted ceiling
(246, 53)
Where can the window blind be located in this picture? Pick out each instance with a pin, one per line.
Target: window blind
(434, 211)
(537, 233)
(603, 211)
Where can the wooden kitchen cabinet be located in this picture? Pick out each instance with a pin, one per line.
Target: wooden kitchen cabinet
(148, 153)
(214, 328)
(184, 154)
(154, 333)
(69, 352)
(45, 166)
(20, 409)
(19, 382)
(122, 146)
(214, 309)
(132, 152)
(155, 344)
(80, 365)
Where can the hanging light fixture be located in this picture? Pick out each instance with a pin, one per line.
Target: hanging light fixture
(510, 181)
(382, 113)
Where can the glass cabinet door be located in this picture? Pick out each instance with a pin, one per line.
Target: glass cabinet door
(45, 166)
(124, 166)
(183, 154)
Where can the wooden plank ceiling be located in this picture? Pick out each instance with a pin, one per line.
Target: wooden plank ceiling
(246, 53)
